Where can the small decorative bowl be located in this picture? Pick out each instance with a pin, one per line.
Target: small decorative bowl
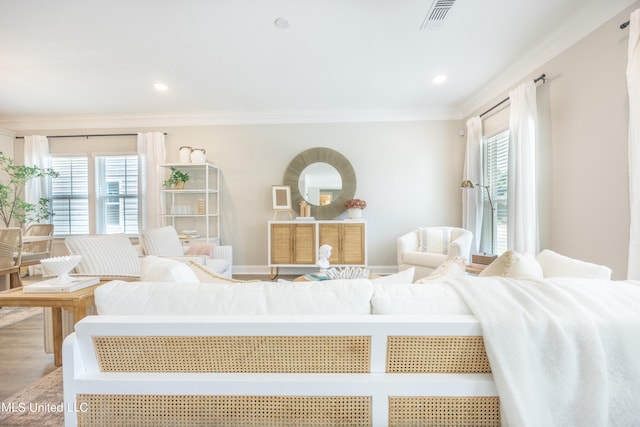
(60, 266)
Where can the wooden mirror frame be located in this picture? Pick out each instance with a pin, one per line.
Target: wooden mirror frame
(333, 158)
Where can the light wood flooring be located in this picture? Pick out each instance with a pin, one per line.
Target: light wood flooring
(22, 357)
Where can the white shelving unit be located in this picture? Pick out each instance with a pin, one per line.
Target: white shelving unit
(196, 207)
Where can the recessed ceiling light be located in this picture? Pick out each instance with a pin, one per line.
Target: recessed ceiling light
(281, 23)
(161, 87)
(439, 78)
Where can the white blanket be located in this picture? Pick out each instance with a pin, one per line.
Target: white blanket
(564, 352)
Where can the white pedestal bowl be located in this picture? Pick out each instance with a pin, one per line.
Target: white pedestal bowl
(60, 266)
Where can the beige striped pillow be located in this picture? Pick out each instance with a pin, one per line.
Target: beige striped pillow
(111, 254)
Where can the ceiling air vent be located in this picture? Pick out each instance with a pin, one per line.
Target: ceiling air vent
(437, 14)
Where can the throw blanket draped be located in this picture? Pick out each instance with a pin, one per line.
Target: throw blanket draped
(564, 352)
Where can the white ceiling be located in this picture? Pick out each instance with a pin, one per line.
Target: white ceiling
(225, 61)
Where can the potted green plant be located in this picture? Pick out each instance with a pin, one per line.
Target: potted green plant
(14, 209)
(176, 179)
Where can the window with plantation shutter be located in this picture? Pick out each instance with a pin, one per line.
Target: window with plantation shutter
(496, 160)
(117, 194)
(111, 208)
(70, 195)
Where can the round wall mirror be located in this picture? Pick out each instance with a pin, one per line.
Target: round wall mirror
(323, 171)
(320, 183)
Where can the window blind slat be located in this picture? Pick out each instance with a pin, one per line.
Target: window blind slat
(116, 195)
(116, 201)
(70, 195)
(496, 173)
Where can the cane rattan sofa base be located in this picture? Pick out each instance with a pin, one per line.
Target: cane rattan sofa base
(272, 411)
(279, 371)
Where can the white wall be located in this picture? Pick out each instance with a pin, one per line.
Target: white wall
(6, 142)
(408, 172)
(589, 105)
(584, 106)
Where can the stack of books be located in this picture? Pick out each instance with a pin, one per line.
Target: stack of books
(51, 285)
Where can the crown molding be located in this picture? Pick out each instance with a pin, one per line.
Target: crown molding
(6, 132)
(574, 30)
(106, 121)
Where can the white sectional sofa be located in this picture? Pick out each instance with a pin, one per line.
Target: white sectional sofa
(510, 348)
(287, 353)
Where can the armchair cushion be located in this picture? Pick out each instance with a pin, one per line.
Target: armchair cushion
(105, 255)
(426, 259)
(161, 241)
(434, 239)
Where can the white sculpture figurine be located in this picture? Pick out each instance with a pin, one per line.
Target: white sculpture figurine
(324, 254)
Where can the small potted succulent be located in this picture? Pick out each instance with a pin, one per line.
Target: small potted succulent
(176, 179)
(354, 207)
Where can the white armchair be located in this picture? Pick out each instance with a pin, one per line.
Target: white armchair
(427, 247)
(164, 241)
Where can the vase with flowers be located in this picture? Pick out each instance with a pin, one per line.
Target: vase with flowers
(354, 207)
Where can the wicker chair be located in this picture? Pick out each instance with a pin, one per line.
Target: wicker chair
(40, 247)
(10, 255)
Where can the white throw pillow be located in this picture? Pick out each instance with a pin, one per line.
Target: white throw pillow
(515, 265)
(454, 267)
(161, 241)
(433, 239)
(555, 265)
(107, 255)
(404, 276)
(156, 269)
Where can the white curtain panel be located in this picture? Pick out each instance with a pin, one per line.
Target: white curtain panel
(151, 153)
(36, 153)
(472, 198)
(522, 211)
(633, 83)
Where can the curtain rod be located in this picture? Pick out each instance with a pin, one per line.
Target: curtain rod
(88, 136)
(624, 25)
(542, 77)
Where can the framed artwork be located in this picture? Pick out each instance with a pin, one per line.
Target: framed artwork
(281, 195)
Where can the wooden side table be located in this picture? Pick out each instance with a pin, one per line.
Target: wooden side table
(76, 302)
